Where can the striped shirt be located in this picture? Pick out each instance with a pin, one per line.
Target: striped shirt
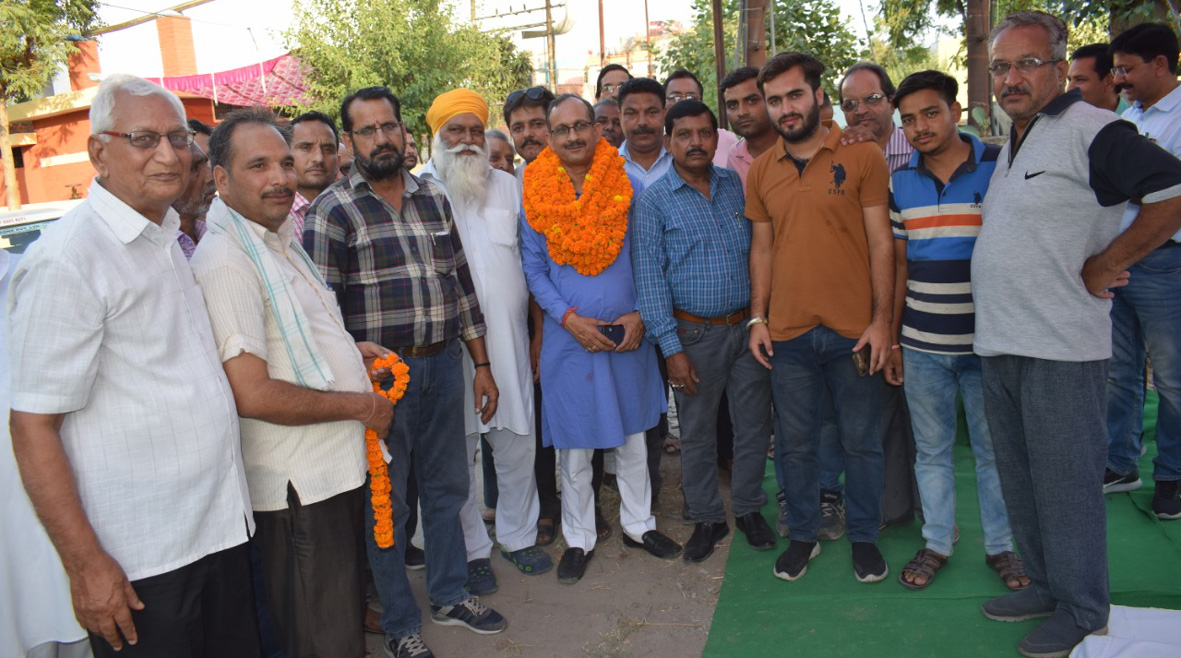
(898, 150)
(940, 224)
(298, 214)
(691, 253)
(401, 277)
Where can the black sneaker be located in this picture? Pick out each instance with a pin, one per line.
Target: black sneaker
(1115, 483)
(705, 536)
(1166, 502)
(470, 614)
(868, 564)
(410, 646)
(758, 533)
(793, 563)
(832, 516)
(415, 558)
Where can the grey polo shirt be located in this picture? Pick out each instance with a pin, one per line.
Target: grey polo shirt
(1056, 199)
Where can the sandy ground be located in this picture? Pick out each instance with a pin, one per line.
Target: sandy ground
(629, 604)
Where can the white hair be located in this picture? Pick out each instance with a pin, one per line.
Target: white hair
(102, 109)
(464, 177)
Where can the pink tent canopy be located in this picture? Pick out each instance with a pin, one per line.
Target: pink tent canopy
(275, 82)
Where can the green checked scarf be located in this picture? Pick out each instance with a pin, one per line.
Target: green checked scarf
(311, 370)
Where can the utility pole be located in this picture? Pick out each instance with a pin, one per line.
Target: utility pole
(553, 51)
(648, 40)
(977, 27)
(719, 58)
(602, 40)
(756, 32)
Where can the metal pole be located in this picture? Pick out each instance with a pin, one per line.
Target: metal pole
(719, 58)
(771, 19)
(602, 40)
(648, 40)
(553, 51)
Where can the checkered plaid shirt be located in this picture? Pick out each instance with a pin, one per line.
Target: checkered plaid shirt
(401, 277)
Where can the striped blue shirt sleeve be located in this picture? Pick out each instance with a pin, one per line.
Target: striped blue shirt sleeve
(650, 262)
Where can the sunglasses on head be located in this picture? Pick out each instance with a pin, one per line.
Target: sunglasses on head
(532, 93)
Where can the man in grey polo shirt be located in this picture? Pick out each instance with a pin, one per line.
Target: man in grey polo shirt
(1047, 256)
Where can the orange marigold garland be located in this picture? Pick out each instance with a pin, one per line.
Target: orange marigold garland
(379, 472)
(587, 231)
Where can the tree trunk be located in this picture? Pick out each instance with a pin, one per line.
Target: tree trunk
(756, 32)
(13, 192)
(976, 29)
(719, 59)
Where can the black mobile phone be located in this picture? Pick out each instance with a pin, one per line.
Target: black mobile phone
(613, 332)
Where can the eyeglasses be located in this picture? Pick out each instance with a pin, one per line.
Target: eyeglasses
(611, 89)
(1121, 70)
(872, 100)
(389, 128)
(677, 98)
(1026, 65)
(579, 127)
(532, 93)
(149, 139)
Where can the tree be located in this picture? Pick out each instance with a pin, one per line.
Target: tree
(811, 26)
(33, 46)
(414, 47)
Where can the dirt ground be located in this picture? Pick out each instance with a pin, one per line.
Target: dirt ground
(629, 604)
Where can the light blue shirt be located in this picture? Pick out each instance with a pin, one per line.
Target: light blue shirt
(1160, 123)
(646, 176)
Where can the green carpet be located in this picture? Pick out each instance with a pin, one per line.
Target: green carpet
(828, 613)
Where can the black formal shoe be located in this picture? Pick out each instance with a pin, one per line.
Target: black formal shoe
(758, 534)
(573, 565)
(701, 545)
(656, 543)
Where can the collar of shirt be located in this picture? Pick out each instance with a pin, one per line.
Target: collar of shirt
(678, 181)
(627, 156)
(897, 145)
(357, 181)
(742, 152)
(299, 206)
(1061, 102)
(919, 164)
(278, 240)
(124, 221)
(830, 142)
(1166, 104)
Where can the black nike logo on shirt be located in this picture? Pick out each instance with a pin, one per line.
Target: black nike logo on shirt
(1036, 173)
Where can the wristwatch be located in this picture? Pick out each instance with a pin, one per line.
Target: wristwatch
(758, 319)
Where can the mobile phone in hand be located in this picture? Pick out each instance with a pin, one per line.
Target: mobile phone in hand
(613, 332)
(861, 360)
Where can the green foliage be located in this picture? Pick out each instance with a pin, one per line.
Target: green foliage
(412, 46)
(33, 41)
(811, 26)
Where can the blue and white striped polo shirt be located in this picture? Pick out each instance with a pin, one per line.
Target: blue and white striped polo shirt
(940, 223)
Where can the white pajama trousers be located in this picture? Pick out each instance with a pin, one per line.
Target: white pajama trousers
(516, 508)
(578, 499)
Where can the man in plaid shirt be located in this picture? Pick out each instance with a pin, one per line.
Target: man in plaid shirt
(386, 242)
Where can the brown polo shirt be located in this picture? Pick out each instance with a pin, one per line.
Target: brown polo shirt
(820, 255)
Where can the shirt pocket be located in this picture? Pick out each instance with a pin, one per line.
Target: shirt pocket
(442, 253)
(502, 228)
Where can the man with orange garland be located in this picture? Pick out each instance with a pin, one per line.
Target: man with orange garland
(600, 380)
(300, 385)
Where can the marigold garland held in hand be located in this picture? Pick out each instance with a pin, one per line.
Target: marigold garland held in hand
(379, 473)
(585, 232)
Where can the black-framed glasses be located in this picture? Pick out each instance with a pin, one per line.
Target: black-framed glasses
(1000, 69)
(872, 100)
(149, 139)
(578, 127)
(389, 128)
(532, 93)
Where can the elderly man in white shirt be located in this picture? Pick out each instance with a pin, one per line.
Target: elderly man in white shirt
(301, 389)
(123, 421)
(486, 204)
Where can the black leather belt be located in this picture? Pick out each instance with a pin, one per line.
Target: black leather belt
(421, 352)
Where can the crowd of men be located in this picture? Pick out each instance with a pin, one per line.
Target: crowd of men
(192, 347)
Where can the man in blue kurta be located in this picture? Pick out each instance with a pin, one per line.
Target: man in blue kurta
(600, 382)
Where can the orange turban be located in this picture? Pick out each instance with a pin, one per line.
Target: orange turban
(454, 103)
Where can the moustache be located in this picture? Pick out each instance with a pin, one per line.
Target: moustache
(794, 115)
(643, 130)
(696, 151)
(382, 149)
(529, 141)
(574, 145)
(281, 194)
(1009, 91)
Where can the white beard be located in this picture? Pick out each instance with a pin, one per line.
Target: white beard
(465, 177)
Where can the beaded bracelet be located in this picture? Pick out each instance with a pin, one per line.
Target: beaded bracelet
(567, 314)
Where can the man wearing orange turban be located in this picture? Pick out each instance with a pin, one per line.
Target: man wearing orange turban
(454, 103)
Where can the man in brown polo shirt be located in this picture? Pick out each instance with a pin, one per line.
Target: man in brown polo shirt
(822, 282)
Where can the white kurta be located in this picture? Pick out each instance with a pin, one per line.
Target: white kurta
(35, 602)
(489, 236)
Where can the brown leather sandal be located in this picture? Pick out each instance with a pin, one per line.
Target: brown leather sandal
(1010, 568)
(924, 565)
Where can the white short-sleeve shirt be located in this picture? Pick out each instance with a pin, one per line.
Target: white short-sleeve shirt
(108, 327)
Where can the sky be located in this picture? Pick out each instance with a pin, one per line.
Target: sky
(233, 33)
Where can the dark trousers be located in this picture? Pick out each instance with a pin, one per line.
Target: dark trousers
(311, 561)
(201, 610)
(545, 464)
(1049, 431)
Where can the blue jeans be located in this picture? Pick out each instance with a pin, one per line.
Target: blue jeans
(931, 382)
(428, 428)
(804, 371)
(1047, 427)
(832, 460)
(1146, 312)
